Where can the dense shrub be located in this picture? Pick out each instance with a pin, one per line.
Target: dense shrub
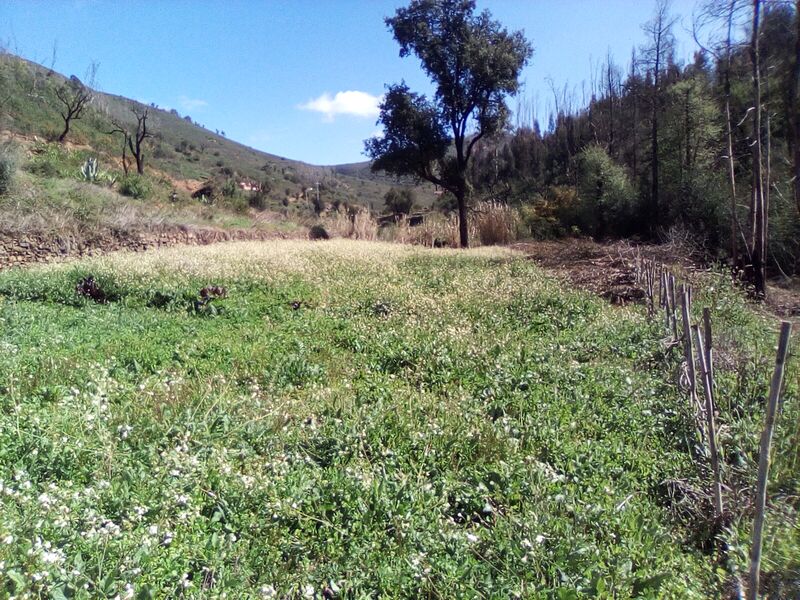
(399, 201)
(49, 160)
(135, 186)
(606, 197)
(318, 232)
(237, 203)
(8, 166)
(230, 189)
(538, 220)
(258, 200)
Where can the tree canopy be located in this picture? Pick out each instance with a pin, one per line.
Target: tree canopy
(474, 64)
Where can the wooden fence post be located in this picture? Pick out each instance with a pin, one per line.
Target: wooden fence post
(710, 424)
(688, 353)
(673, 307)
(763, 459)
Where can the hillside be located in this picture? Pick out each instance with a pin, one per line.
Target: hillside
(182, 153)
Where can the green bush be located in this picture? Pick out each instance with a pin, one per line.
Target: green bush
(606, 197)
(135, 186)
(230, 189)
(258, 200)
(237, 203)
(399, 201)
(49, 160)
(538, 219)
(8, 166)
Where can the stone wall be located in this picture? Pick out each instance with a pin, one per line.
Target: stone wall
(16, 250)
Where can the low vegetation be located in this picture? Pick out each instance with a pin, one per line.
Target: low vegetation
(341, 419)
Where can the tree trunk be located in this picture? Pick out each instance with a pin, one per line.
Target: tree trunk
(63, 135)
(795, 100)
(124, 159)
(654, 167)
(729, 140)
(634, 91)
(463, 225)
(757, 217)
(654, 202)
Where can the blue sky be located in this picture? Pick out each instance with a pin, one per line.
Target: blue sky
(299, 78)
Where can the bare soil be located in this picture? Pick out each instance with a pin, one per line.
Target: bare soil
(608, 270)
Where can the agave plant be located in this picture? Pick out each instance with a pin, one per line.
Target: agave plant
(89, 170)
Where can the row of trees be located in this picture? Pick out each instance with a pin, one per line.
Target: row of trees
(712, 147)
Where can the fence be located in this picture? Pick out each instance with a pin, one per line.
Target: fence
(663, 292)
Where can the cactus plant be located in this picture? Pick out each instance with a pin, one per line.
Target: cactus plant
(89, 169)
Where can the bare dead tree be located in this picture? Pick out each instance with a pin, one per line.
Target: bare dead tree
(74, 98)
(655, 55)
(125, 141)
(795, 98)
(712, 12)
(633, 90)
(133, 141)
(612, 78)
(757, 225)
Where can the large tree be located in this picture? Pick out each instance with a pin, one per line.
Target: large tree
(474, 64)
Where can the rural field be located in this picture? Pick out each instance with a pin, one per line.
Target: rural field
(359, 420)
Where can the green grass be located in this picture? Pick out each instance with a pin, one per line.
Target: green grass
(360, 420)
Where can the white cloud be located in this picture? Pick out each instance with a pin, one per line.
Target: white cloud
(351, 102)
(191, 103)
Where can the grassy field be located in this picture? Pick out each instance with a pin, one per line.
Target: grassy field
(364, 420)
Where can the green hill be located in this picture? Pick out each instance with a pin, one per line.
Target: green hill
(182, 154)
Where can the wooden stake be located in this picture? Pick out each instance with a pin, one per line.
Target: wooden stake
(708, 342)
(673, 307)
(711, 429)
(688, 353)
(763, 459)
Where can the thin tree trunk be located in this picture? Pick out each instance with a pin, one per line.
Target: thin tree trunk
(463, 226)
(687, 126)
(655, 208)
(63, 135)
(794, 99)
(635, 124)
(731, 170)
(611, 97)
(125, 157)
(757, 217)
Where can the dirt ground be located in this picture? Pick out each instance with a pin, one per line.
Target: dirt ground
(608, 270)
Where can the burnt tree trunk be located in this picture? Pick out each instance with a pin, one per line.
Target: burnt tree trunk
(729, 139)
(794, 101)
(758, 232)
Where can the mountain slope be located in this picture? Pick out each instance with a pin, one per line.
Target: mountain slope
(182, 151)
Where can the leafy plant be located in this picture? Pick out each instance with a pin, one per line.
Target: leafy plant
(89, 169)
(49, 160)
(135, 186)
